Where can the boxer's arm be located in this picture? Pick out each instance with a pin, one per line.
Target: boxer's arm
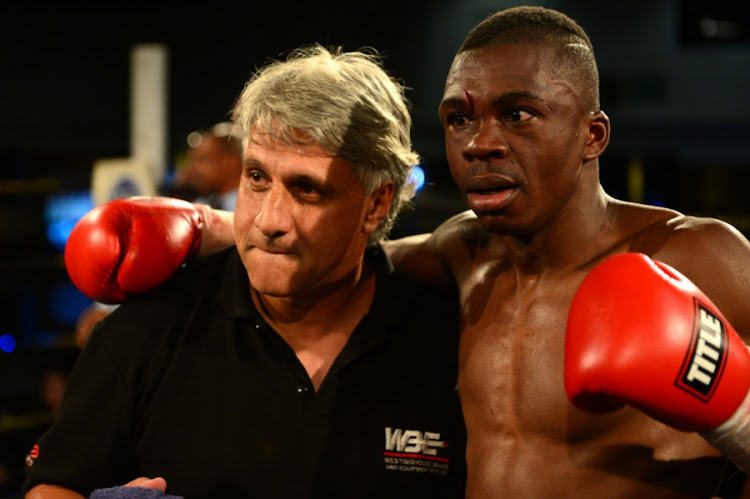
(443, 257)
(641, 333)
(716, 257)
(218, 229)
(415, 257)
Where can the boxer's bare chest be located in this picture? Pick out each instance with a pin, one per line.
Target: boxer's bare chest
(524, 436)
(512, 341)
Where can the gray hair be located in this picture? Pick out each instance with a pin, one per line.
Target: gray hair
(345, 103)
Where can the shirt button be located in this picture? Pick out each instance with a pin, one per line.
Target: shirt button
(302, 390)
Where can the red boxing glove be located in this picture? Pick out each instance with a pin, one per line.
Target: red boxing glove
(641, 333)
(129, 246)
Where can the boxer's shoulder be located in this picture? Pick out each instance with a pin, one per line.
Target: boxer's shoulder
(658, 231)
(461, 235)
(677, 238)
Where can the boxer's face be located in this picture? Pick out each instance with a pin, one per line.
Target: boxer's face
(301, 220)
(515, 131)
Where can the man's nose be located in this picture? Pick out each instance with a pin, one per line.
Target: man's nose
(487, 141)
(274, 216)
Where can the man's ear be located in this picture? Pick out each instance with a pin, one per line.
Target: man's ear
(598, 135)
(380, 204)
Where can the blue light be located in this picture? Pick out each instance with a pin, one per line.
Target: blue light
(418, 177)
(7, 343)
(58, 232)
(65, 303)
(62, 211)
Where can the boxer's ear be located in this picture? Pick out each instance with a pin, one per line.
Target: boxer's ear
(598, 135)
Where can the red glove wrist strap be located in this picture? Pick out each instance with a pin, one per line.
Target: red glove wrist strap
(732, 437)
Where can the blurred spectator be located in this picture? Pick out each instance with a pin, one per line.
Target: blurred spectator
(214, 165)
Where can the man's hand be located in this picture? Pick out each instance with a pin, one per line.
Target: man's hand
(149, 483)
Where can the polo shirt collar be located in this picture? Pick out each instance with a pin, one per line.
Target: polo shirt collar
(233, 296)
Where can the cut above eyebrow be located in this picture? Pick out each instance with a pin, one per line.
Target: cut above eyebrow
(469, 101)
(453, 102)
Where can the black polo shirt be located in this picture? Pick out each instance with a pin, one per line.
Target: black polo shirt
(189, 383)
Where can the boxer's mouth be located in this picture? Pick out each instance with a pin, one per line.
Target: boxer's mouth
(488, 193)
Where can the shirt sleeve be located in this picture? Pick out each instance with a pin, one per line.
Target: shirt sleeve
(91, 443)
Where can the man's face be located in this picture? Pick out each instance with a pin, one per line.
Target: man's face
(514, 132)
(301, 220)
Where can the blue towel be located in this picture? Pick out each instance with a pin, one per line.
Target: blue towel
(122, 492)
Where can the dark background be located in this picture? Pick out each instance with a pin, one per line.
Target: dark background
(675, 76)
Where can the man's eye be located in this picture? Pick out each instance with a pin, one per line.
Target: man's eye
(519, 116)
(458, 120)
(256, 179)
(308, 191)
